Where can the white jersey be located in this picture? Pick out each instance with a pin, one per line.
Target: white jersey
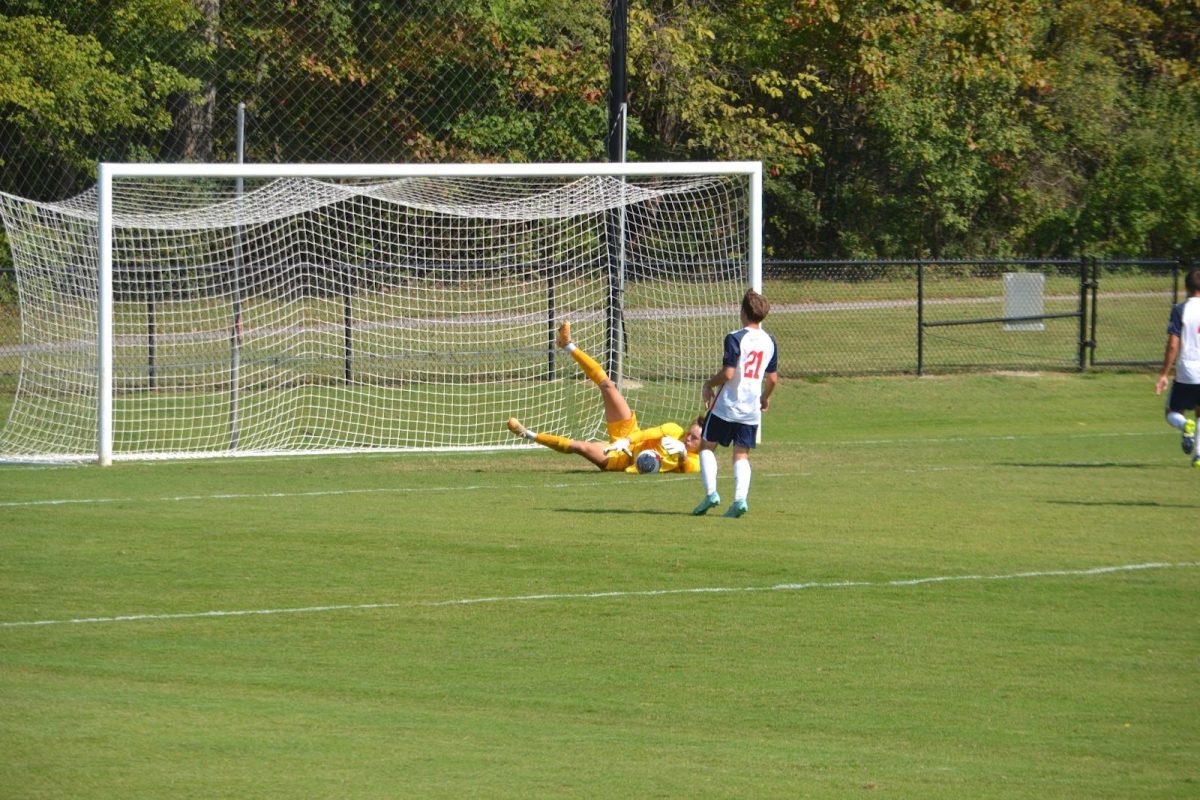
(1185, 323)
(751, 353)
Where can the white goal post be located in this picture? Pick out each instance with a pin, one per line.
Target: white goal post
(198, 310)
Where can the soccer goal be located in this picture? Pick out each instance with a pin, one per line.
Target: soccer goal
(197, 310)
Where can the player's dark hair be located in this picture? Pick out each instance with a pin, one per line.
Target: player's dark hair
(1192, 281)
(755, 306)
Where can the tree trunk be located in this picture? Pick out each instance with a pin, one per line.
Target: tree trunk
(191, 136)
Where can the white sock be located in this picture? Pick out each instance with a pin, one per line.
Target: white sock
(1176, 420)
(708, 471)
(741, 479)
(570, 348)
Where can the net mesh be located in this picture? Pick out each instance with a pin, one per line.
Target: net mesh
(303, 315)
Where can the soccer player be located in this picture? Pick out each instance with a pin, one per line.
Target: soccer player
(677, 449)
(749, 374)
(1183, 352)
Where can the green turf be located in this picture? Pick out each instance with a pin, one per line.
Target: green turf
(591, 667)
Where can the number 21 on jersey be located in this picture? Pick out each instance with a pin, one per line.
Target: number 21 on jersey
(753, 365)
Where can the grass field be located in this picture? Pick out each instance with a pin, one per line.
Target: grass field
(975, 586)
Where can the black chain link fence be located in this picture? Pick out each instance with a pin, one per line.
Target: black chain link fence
(863, 317)
(845, 318)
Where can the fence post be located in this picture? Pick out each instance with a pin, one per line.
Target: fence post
(551, 337)
(920, 319)
(151, 341)
(348, 329)
(1082, 359)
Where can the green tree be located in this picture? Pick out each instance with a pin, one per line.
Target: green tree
(900, 128)
(1008, 126)
(80, 86)
(1116, 118)
(546, 95)
(718, 81)
(336, 80)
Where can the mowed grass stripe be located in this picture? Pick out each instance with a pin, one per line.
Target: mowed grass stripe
(604, 595)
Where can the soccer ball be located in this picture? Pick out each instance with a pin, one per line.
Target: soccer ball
(648, 461)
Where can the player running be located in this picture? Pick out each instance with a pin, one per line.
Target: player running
(736, 395)
(1183, 354)
(666, 448)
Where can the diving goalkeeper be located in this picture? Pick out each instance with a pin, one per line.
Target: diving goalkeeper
(666, 448)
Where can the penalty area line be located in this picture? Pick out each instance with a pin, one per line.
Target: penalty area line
(530, 598)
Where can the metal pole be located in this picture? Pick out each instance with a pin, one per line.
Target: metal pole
(619, 25)
(348, 330)
(104, 320)
(920, 318)
(551, 337)
(235, 335)
(151, 340)
(1086, 343)
(619, 22)
(619, 334)
(756, 229)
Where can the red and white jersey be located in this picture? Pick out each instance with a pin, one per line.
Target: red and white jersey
(751, 353)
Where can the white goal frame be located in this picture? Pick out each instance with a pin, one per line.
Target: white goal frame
(112, 172)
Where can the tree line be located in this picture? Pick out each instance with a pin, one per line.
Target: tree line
(888, 128)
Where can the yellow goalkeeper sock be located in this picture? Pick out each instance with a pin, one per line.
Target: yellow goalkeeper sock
(560, 443)
(593, 370)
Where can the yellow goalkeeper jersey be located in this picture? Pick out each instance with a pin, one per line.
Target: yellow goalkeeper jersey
(650, 439)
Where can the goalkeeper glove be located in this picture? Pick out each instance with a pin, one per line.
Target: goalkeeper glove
(619, 446)
(672, 446)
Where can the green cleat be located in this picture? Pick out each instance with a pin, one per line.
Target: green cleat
(1196, 462)
(711, 501)
(737, 508)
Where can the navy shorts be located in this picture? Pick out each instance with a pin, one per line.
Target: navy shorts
(1184, 396)
(726, 433)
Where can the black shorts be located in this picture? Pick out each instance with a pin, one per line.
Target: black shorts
(1183, 397)
(725, 433)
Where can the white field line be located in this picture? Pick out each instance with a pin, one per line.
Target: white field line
(570, 596)
(508, 487)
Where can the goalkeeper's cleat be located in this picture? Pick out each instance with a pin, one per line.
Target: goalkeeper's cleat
(1196, 462)
(711, 501)
(1188, 442)
(564, 335)
(517, 428)
(736, 509)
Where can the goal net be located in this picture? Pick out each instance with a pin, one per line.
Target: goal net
(215, 310)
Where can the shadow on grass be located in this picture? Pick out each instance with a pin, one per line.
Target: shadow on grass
(607, 511)
(1123, 503)
(1079, 465)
